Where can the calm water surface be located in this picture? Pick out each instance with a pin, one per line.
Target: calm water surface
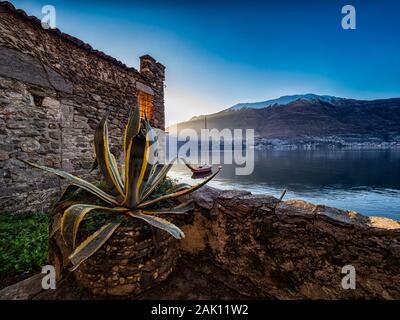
(364, 181)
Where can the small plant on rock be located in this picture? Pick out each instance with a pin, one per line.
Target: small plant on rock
(132, 190)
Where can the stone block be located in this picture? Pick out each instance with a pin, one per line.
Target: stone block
(24, 67)
(30, 145)
(67, 116)
(142, 87)
(58, 82)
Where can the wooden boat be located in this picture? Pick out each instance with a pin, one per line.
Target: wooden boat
(203, 169)
(201, 175)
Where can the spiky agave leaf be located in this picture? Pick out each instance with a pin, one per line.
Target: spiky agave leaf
(78, 182)
(135, 168)
(158, 176)
(154, 170)
(74, 215)
(105, 159)
(152, 156)
(158, 223)
(178, 193)
(178, 187)
(93, 243)
(132, 128)
(179, 209)
(118, 175)
(69, 192)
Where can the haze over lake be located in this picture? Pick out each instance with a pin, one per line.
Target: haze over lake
(366, 181)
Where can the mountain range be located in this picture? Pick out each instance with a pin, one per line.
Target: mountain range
(284, 100)
(311, 119)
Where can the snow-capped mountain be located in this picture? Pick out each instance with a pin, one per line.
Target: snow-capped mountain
(310, 97)
(310, 118)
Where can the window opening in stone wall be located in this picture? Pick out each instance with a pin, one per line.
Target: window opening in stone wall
(146, 105)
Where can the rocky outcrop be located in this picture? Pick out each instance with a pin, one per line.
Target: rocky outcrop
(241, 246)
(294, 249)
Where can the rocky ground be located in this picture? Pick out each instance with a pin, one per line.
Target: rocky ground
(9, 280)
(195, 278)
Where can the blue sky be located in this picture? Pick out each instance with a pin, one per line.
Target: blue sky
(224, 52)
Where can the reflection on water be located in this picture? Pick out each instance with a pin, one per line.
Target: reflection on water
(363, 181)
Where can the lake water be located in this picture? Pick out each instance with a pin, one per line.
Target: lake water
(364, 181)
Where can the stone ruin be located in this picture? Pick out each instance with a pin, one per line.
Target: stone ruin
(54, 89)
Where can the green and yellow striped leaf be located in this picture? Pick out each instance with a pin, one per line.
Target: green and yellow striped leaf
(135, 169)
(159, 223)
(180, 209)
(93, 243)
(106, 161)
(178, 193)
(69, 192)
(157, 177)
(155, 171)
(117, 173)
(77, 182)
(74, 215)
(152, 155)
(178, 187)
(132, 129)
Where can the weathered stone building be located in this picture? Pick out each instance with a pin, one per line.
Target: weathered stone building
(54, 89)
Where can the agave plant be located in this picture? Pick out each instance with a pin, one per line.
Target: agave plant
(133, 189)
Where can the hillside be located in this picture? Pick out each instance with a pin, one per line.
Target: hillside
(312, 120)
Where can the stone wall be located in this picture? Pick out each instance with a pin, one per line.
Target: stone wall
(54, 89)
(293, 249)
(241, 246)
